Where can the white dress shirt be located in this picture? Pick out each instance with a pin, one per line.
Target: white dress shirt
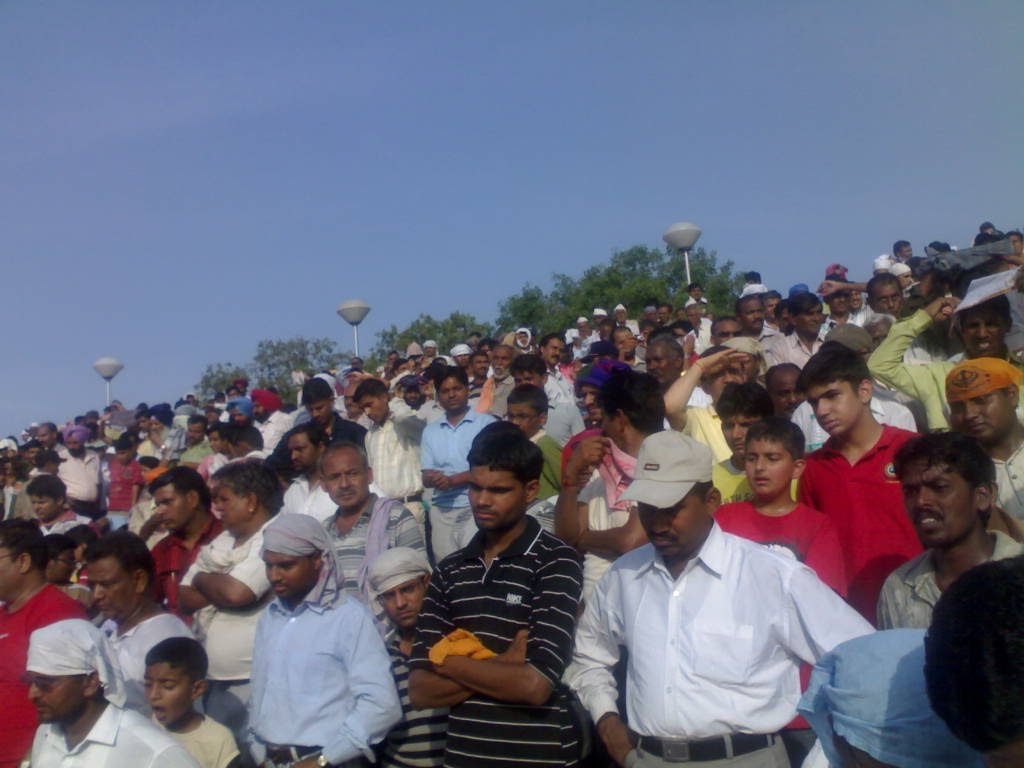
(131, 649)
(120, 738)
(393, 450)
(273, 429)
(300, 500)
(714, 652)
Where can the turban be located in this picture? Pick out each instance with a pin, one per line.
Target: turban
(396, 566)
(871, 692)
(597, 375)
(978, 377)
(162, 412)
(267, 400)
(751, 347)
(76, 647)
(78, 432)
(301, 536)
(242, 405)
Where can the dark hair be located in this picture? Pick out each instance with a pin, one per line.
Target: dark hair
(748, 399)
(23, 537)
(738, 305)
(313, 432)
(984, 238)
(961, 453)
(82, 534)
(775, 370)
(691, 286)
(46, 456)
(834, 363)
(638, 396)
(498, 447)
(771, 295)
(803, 303)
(1015, 233)
(452, 372)
(315, 390)
(527, 394)
(998, 305)
(249, 435)
(150, 462)
(183, 480)
(253, 476)
(57, 543)
(898, 245)
(776, 429)
(547, 337)
(528, 364)
(784, 306)
(723, 319)
(881, 280)
(370, 388)
(47, 486)
(973, 655)
(667, 339)
(198, 419)
(218, 427)
(752, 277)
(126, 442)
(182, 653)
(479, 353)
(129, 550)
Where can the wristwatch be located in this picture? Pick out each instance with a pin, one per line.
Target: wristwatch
(322, 761)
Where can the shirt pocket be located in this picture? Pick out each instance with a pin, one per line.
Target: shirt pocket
(723, 652)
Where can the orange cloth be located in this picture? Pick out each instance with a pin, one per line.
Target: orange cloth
(978, 377)
(459, 643)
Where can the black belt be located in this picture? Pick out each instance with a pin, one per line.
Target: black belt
(289, 753)
(702, 750)
(418, 496)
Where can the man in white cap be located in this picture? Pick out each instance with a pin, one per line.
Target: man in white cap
(429, 352)
(460, 354)
(621, 316)
(715, 626)
(322, 693)
(399, 580)
(76, 687)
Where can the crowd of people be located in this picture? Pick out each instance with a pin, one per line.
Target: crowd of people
(786, 535)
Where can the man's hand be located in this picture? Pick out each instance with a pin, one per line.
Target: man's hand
(719, 361)
(588, 453)
(942, 308)
(615, 735)
(516, 652)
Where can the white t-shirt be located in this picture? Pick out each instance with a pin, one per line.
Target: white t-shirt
(599, 518)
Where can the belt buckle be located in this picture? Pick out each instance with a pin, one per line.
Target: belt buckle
(675, 751)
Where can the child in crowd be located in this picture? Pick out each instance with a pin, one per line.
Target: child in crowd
(50, 503)
(175, 680)
(528, 410)
(739, 406)
(126, 480)
(62, 566)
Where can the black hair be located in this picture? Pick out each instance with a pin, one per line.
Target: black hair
(998, 305)
(752, 277)
(47, 486)
(57, 544)
(126, 442)
(46, 456)
(771, 295)
(775, 370)
(776, 429)
(82, 534)
(638, 396)
(973, 655)
(528, 394)
(236, 434)
(528, 364)
(252, 476)
(747, 399)
(803, 303)
(500, 448)
(547, 337)
(313, 432)
(370, 388)
(723, 319)
(182, 653)
(960, 453)
(834, 363)
(23, 537)
(1015, 233)
(315, 390)
(183, 480)
(666, 339)
(129, 550)
(881, 280)
(198, 418)
(218, 428)
(899, 245)
(151, 462)
(984, 238)
(691, 286)
(738, 305)
(784, 306)
(452, 372)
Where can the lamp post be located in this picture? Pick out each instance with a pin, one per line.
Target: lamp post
(352, 312)
(108, 368)
(682, 236)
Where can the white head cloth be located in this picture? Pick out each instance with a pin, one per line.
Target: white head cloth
(396, 566)
(300, 536)
(76, 647)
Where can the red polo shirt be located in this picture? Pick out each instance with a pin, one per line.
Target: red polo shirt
(18, 721)
(865, 503)
(173, 559)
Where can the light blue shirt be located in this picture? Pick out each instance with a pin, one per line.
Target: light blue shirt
(446, 448)
(321, 677)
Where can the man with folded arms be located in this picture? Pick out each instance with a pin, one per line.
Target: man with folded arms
(715, 626)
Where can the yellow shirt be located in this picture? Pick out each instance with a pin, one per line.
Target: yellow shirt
(704, 426)
(733, 484)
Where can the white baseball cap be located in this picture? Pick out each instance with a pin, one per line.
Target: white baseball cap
(668, 466)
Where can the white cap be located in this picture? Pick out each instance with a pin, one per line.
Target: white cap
(460, 349)
(581, 319)
(753, 289)
(620, 306)
(430, 343)
(598, 312)
(883, 262)
(668, 465)
(899, 269)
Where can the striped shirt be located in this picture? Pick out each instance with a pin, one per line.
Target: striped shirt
(534, 584)
(417, 741)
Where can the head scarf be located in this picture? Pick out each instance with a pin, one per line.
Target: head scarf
(752, 348)
(978, 377)
(300, 536)
(267, 399)
(241, 404)
(76, 647)
(871, 692)
(529, 338)
(396, 566)
(78, 432)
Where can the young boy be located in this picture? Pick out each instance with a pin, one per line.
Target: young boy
(61, 567)
(528, 410)
(739, 407)
(852, 479)
(49, 501)
(175, 680)
(126, 480)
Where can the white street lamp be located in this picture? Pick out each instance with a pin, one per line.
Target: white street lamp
(108, 368)
(352, 312)
(682, 237)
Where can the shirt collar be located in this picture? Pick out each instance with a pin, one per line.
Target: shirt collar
(103, 731)
(713, 555)
(475, 549)
(469, 416)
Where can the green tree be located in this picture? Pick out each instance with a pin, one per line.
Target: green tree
(447, 332)
(218, 377)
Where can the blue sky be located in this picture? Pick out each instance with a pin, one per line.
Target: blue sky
(180, 180)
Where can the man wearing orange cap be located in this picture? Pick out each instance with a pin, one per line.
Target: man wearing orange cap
(270, 419)
(983, 395)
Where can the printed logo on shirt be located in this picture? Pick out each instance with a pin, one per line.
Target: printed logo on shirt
(651, 467)
(890, 471)
(513, 599)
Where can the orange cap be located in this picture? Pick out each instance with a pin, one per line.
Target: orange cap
(978, 377)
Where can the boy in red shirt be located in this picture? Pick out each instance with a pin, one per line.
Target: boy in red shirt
(126, 480)
(851, 478)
